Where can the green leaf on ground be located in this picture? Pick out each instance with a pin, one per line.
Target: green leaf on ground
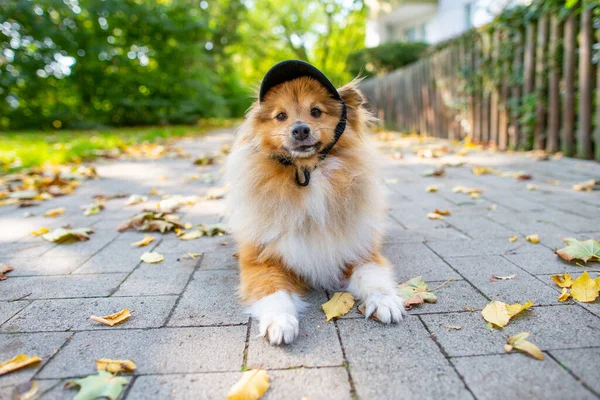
(93, 387)
(62, 235)
(415, 291)
(580, 250)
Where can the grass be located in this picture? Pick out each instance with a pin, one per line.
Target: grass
(25, 149)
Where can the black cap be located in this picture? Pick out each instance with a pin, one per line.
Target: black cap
(288, 70)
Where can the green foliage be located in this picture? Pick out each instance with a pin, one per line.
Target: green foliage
(384, 58)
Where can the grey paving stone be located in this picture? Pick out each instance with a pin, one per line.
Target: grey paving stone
(26, 248)
(317, 344)
(314, 384)
(220, 259)
(74, 314)
(118, 256)
(582, 363)
(397, 234)
(478, 270)
(167, 277)
(546, 325)
(545, 263)
(184, 387)
(210, 299)
(42, 345)
(479, 227)
(10, 308)
(412, 259)
(177, 350)
(483, 247)
(46, 265)
(517, 376)
(60, 286)
(181, 247)
(47, 389)
(398, 361)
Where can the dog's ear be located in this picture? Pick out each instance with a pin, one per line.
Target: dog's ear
(351, 95)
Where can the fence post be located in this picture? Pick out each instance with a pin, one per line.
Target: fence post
(553, 89)
(494, 96)
(528, 75)
(568, 106)
(597, 135)
(584, 139)
(503, 108)
(540, 84)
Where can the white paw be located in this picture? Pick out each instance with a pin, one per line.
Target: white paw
(279, 328)
(385, 307)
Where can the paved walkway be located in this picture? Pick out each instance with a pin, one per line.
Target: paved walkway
(190, 339)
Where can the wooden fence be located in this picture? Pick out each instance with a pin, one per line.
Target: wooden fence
(527, 83)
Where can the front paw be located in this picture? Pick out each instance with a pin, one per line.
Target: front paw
(279, 328)
(387, 308)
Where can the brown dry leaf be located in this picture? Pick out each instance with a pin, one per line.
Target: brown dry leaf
(151, 221)
(587, 186)
(442, 212)
(54, 212)
(431, 189)
(502, 278)
(564, 294)
(585, 289)
(513, 239)
(435, 216)
(252, 386)
(564, 280)
(145, 241)
(17, 362)
(520, 343)
(113, 319)
(152, 257)
(115, 366)
(4, 269)
(434, 172)
(40, 231)
(533, 238)
(339, 304)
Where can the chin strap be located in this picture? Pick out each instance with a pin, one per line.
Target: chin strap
(303, 173)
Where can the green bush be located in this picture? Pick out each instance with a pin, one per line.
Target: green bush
(384, 58)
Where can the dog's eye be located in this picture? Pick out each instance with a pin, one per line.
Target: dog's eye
(316, 112)
(281, 117)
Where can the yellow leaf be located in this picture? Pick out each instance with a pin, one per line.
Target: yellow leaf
(151, 257)
(40, 231)
(531, 186)
(533, 238)
(191, 235)
(339, 304)
(252, 386)
(585, 289)
(55, 212)
(564, 280)
(564, 295)
(520, 343)
(434, 215)
(115, 366)
(17, 362)
(496, 313)
(431, 189)
(113, 319)
(516, 308)
(145, 241)
(513, 239)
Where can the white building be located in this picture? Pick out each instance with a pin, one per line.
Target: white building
(429, 21)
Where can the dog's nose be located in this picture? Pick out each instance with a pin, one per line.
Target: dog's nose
(300, 131)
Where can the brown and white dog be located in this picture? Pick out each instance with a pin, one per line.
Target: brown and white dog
(304, 217)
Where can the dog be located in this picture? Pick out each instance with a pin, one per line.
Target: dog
(305, 204)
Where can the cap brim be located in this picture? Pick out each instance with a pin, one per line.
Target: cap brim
(286, 71)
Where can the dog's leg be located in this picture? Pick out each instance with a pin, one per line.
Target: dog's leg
(374, 285)
(273, 294)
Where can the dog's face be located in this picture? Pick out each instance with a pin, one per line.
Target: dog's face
(297, 118)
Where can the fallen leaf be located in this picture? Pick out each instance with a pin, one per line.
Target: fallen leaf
(115, 366)
(484, 171)
(191, 256)
(26, 391)
(62, 235)
(204, 160)
(339, 304)
(455, 327)
(564, 294)
(533, 238)
(431, 189)
(17, 362)
(136, 199)
(93, 387)
(584, 288)
(587, 186)
(466, 190)
(215, 230)
(442, 212)
(92, 209)
(173, 203)
(493, 207)
(514, 309)
(252, 386)
(414, 292)
(434, 172)
(520, 176)
(435, 216)
(502, 278)
(40, 231)
(195, 234)
(151, 257)
(564, 280)
(499, 313)
(531, 186)
(513, 239)
(55, 212)
(152, 221)
(113, 319)
(553, 182)
(580, 250)
(216, 193)
(4, 269)
(145, 241)
(469, 309)
(520, 343)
